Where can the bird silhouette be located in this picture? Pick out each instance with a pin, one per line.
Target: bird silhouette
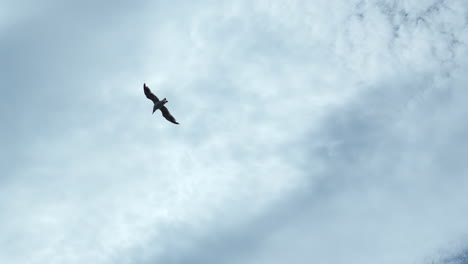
(159, 104)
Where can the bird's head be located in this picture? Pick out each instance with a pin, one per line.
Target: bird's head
(165, 100)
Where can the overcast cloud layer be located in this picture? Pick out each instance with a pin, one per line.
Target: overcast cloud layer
(324, 131)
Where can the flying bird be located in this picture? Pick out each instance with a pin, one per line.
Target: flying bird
(159, 104)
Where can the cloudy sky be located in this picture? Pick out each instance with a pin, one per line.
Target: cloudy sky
(324, 131)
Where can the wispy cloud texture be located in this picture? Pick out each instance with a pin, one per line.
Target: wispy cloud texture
(324, 131)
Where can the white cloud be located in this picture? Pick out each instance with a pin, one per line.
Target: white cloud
(326, 131)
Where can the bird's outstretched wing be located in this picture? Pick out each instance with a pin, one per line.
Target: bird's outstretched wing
(167, 115)
(149, 94)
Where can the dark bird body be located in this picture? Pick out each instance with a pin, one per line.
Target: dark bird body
(159, 104)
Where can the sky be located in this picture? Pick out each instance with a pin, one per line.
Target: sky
(325, 131)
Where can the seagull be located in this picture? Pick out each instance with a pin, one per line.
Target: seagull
(159, 104)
